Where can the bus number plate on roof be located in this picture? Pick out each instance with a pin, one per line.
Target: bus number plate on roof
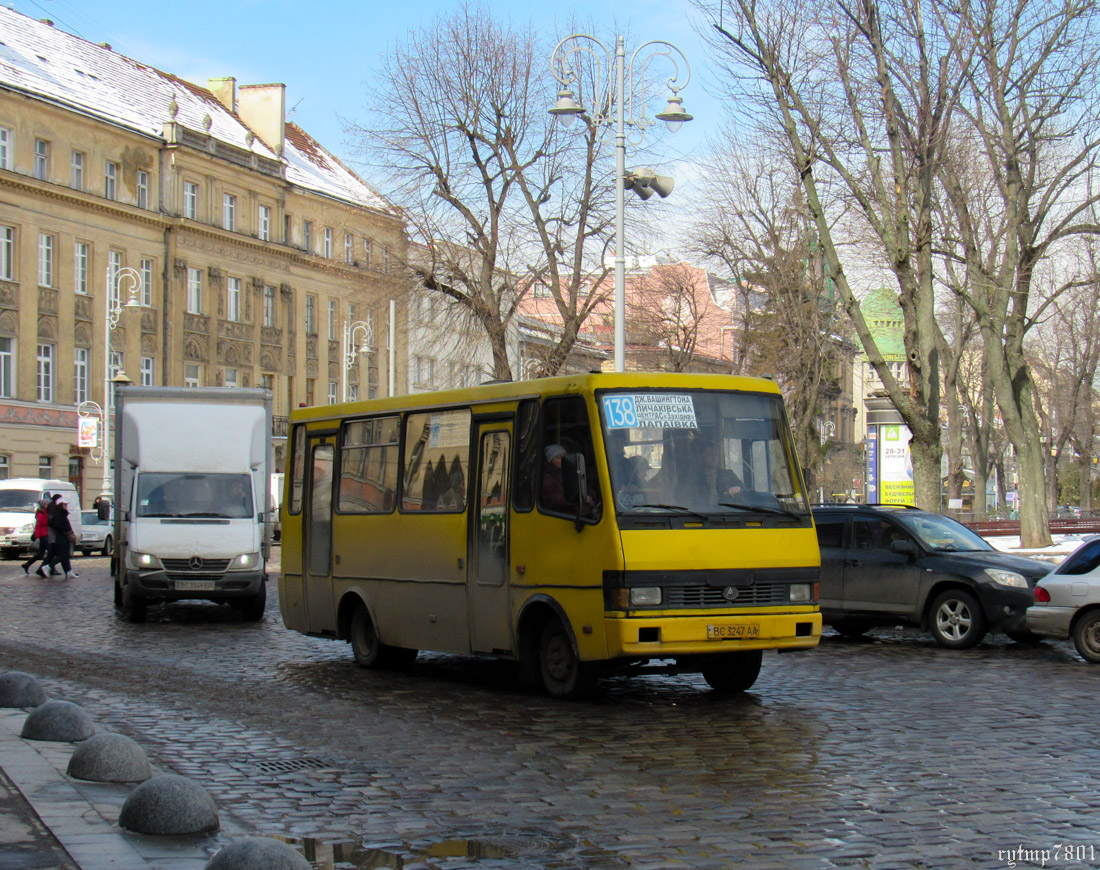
(732, 632)
(653, 410)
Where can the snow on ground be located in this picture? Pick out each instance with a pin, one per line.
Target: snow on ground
(1063, 545)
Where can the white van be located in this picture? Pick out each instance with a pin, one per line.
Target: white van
(18, 498)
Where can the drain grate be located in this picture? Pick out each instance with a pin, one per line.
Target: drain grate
(291, 765)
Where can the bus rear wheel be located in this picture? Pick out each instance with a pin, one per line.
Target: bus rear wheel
(368, 651)
(562, 672)
(732, 672)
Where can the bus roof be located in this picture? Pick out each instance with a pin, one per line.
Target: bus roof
(497, 391)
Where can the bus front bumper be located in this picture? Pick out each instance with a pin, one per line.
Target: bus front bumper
(656, 635)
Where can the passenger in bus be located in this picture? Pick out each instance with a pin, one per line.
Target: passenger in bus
(552, 495)
(708, 481)
(636, 489)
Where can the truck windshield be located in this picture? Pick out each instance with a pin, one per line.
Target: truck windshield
(703, 452)
(19, 499)
(167, 494)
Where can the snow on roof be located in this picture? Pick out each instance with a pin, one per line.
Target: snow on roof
(39, 59)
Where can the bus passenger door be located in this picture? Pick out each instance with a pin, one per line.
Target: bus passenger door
(487, 591)
(317, 536)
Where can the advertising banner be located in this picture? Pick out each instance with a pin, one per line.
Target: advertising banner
(895, 465)
(872, 465)
(87, 433)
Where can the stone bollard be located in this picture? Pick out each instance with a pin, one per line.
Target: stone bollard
(169, 804)
(258, 853)
(109, 758)
(58, 720)
(18, 689)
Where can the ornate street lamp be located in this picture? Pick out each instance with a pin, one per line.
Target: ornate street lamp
(117, 279)
(363, 332)
(615, 104)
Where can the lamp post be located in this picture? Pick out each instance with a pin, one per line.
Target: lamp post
(112, 315)
(616, 105)
(364, 330)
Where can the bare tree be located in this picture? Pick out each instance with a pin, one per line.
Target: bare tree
(863, 95)
(755, 222)
(670, 309)
(497, 199)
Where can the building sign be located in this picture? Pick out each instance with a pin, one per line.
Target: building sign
(87, 432)
(895, 465)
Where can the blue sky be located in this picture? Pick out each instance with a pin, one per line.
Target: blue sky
(325, 51)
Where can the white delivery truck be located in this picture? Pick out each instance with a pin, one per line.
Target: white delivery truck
(192, 477)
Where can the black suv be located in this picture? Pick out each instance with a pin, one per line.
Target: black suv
(884, 565)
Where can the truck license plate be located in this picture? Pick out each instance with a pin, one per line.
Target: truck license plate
(194, 585)
(732, 632)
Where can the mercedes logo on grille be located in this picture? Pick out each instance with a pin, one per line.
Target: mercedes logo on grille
(730, 593)
(195, 563)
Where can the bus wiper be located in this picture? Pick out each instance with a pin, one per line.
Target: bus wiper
(671, 507)
(759, 509)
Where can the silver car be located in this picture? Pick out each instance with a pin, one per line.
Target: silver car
(1067, 601)
(97, 535)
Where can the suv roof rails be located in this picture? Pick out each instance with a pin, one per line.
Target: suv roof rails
(855, 505)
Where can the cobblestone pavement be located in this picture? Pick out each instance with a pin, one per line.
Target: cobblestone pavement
(882, 753)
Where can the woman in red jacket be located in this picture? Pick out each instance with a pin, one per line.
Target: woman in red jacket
(41, 537)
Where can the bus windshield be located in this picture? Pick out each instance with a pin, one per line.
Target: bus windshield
(703, 452)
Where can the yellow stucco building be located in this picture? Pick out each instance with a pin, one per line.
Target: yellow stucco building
(231, 247)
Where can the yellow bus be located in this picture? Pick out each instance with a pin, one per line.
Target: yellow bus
(580, 525)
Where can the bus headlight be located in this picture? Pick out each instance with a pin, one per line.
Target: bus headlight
(245, 561)
(645, 596)
(802, 592)
(144, 561)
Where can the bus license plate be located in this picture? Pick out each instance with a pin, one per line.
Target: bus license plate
(194, 585)
(732, 632)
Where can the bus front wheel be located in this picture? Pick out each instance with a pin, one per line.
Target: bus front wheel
(369, 652)
(563, 674)
(732, 672)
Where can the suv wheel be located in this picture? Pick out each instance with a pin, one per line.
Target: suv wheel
(957, 620)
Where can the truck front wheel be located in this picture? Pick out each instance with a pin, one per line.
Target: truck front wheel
(132, 607)
(252, 608)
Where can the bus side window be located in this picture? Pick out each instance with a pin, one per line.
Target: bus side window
(528, 465)
(565, 430)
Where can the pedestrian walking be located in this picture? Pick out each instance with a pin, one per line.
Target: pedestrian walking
(64, 537)
(41, 537)
(50, 565)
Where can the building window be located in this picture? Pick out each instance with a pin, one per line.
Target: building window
(81, 260)
(353, 392)
(80, 374)
(114, 269)
(286, 229)
(45, 260)
(229, 211)
(77, 180)
(7, 252)
(309, 391)
(269, 305)
(6, 148)
(148, 371)
(116, 364)
(147, 283)
(110, 180)
(7, 366)
(332, 392)
(45, 467)
(367, 247)
(142, 189)
(233, 300)
(311, 315)
(194, 291)
(349, 248)
(5, 466)
(386, 259)
(231, 377)
(265, 223)
(328, 242)
(192, 376)
(41, 158)
(331, 320)
(423, 371)
(191, 200)
(45, 372)
(307, 234)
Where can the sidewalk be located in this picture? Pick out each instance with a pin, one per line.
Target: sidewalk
(49, 821)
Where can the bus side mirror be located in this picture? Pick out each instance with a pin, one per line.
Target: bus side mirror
(103, 510)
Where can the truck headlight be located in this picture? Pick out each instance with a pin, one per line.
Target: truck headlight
(1006, 578)
(144, 561)
(245, 561)
(802, 592)
(645, 596)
